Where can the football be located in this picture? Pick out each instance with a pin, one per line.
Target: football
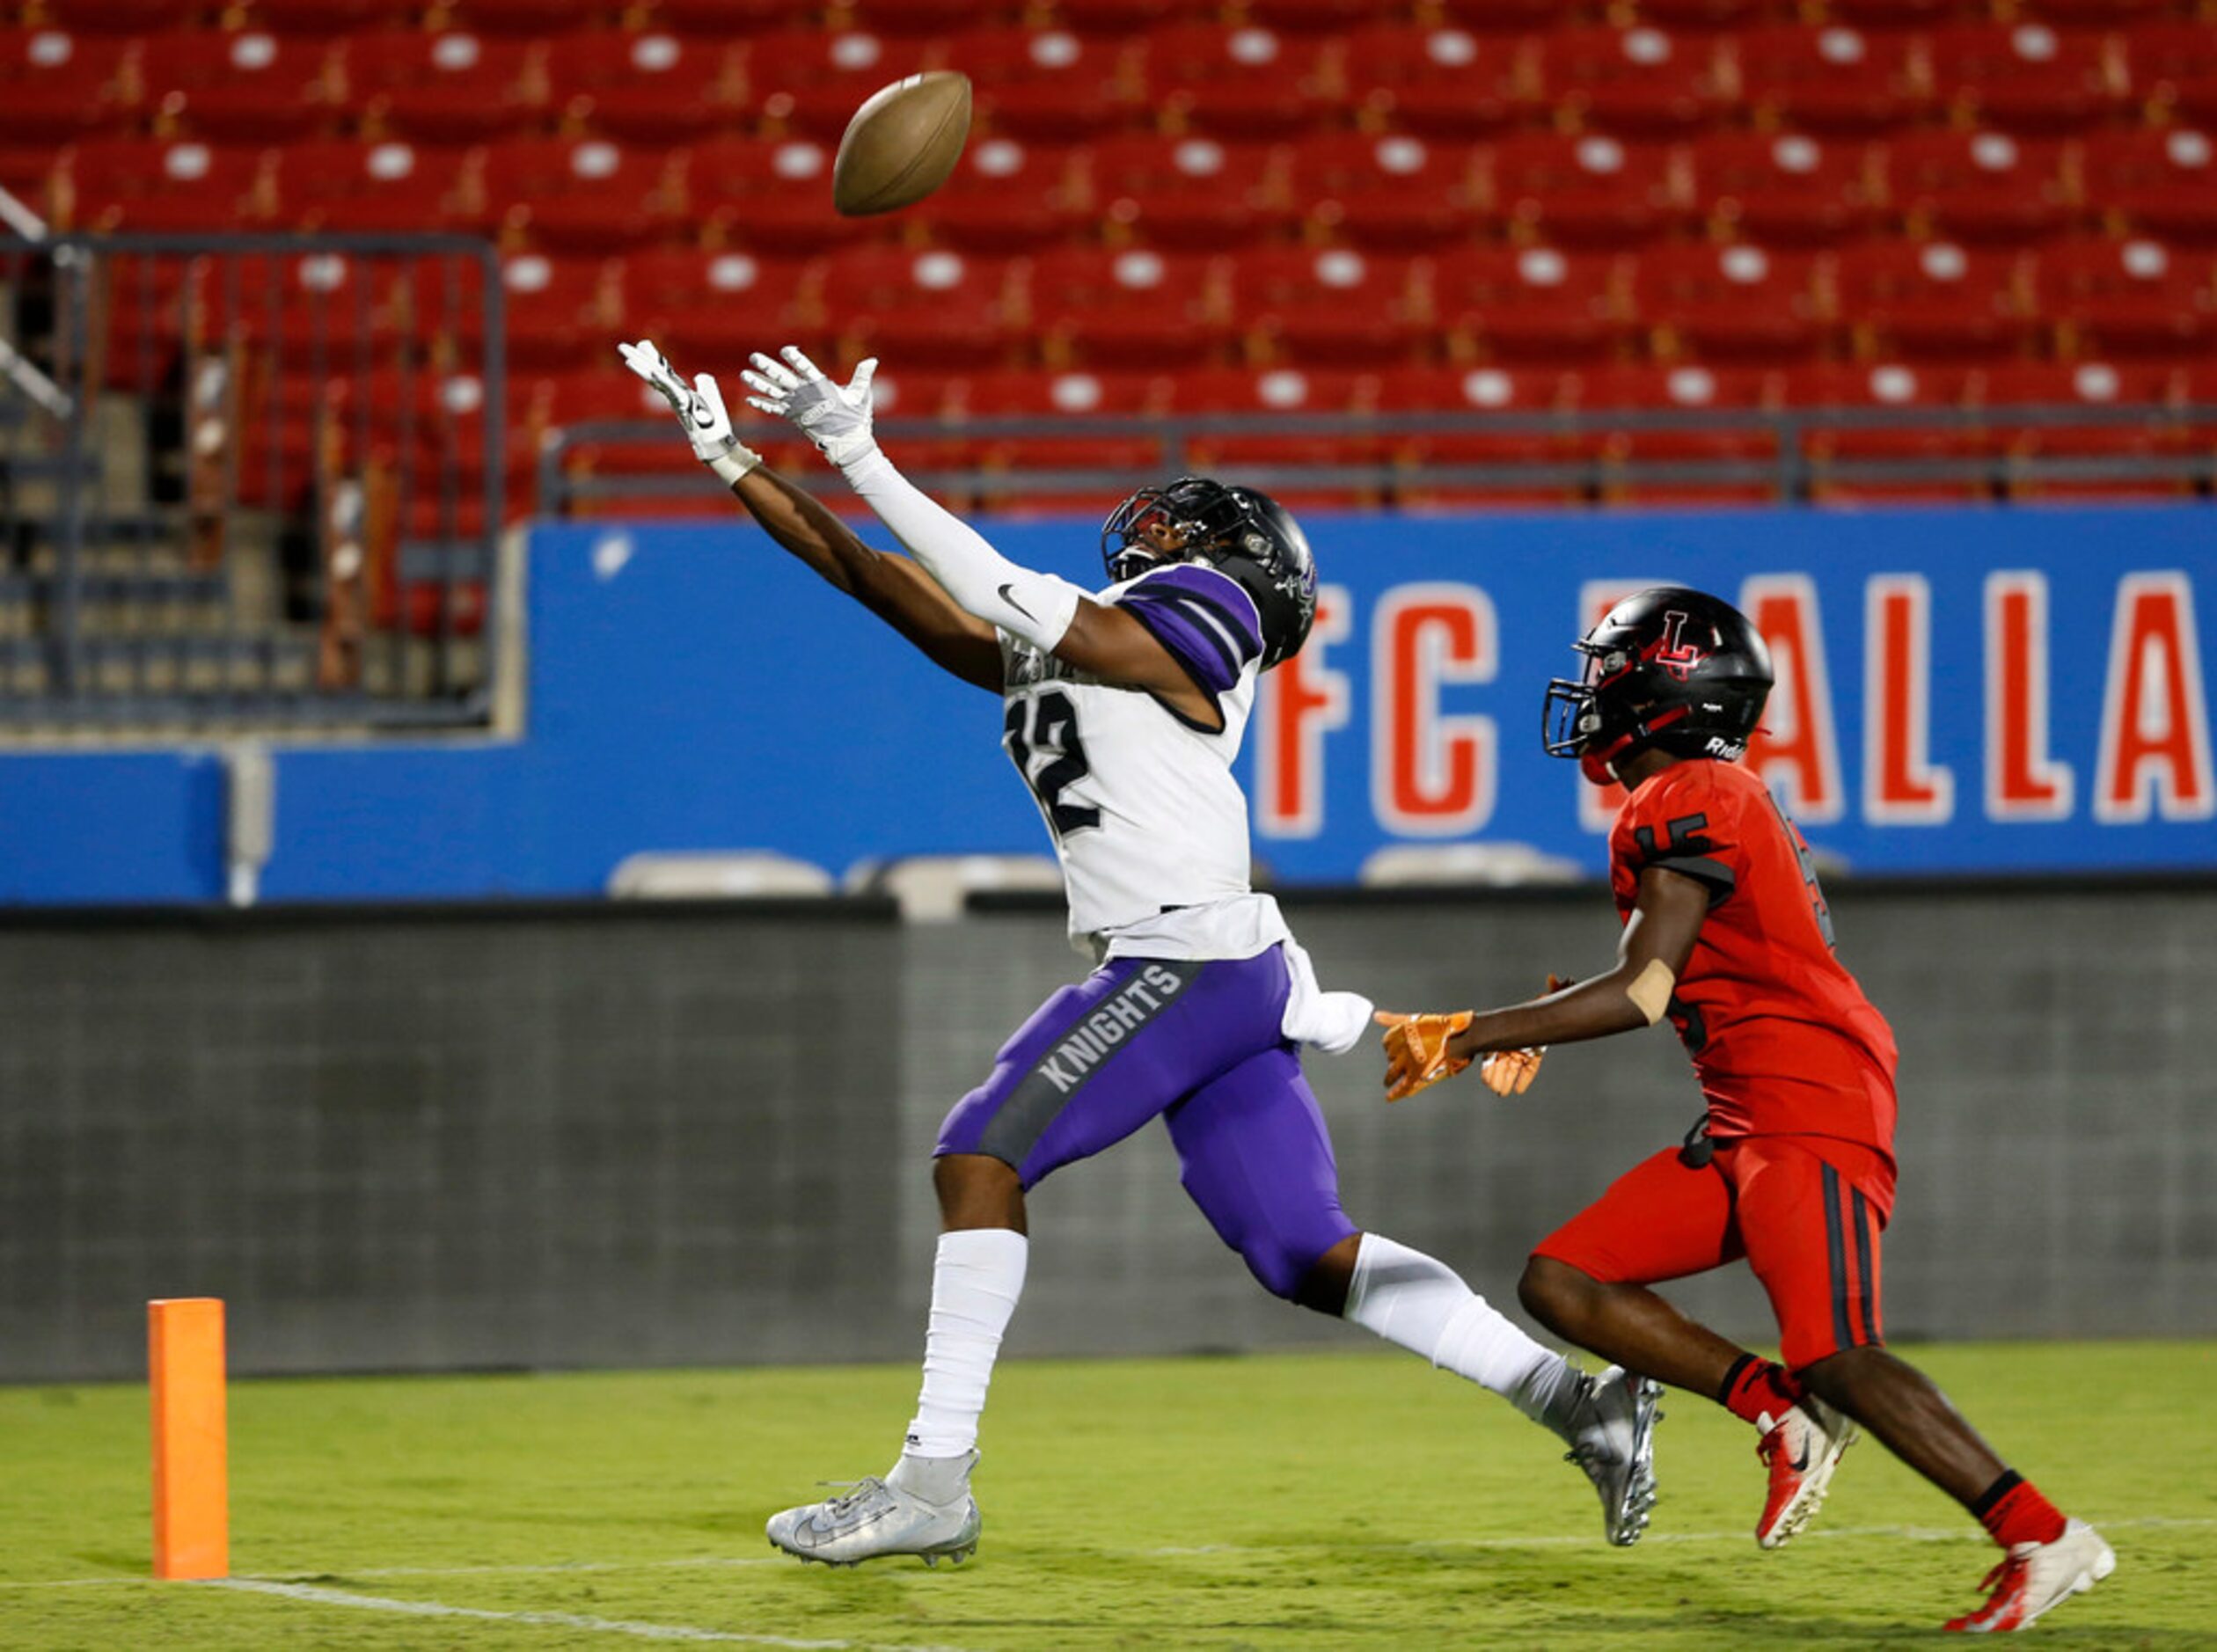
(902, 143)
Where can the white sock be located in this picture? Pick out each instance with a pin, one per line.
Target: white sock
(976, 1277)
(1421, 1304)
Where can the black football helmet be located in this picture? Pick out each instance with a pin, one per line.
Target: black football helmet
(1247, 533)
(1667, 668)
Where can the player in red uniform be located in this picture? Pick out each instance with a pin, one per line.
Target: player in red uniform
(1726, 933)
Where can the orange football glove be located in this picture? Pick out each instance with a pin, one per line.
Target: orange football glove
(1511, 1071)
(1416, 1055)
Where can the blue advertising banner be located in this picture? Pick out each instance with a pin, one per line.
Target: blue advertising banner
(1960, 691)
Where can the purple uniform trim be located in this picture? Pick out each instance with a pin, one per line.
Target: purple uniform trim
(1197, 1043)
(1202, 618)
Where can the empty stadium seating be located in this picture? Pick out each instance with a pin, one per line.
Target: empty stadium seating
(1445, 204)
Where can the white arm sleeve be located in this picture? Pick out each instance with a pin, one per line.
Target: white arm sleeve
(1036, 607)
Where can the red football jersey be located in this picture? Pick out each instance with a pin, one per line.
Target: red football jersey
(1781, 1037)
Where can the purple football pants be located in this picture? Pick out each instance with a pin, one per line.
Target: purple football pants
(1197, 1043)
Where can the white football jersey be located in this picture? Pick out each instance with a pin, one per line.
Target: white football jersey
(1149, 824)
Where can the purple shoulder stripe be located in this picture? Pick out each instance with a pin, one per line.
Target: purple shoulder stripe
(1216, 594)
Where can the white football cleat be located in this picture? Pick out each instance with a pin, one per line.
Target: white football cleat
(2034, 1577)
(1612, 1435)
(872, 1518)
(1801, 1449)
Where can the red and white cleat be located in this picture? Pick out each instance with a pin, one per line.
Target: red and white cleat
(2034, 1576)
(1800, 1450)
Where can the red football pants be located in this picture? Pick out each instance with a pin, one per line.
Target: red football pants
(1806, 1212)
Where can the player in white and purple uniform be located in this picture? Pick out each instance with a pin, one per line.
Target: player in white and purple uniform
(1124, 710)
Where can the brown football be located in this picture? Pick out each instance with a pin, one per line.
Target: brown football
(902, 143)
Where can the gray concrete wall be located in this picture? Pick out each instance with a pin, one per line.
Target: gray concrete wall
(623, 1138)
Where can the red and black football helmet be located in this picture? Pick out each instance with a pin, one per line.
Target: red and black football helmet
(1669, 668)
(1241, 532)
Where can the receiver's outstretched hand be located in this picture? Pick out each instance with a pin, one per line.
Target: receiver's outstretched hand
(836, 417)
(700, 407)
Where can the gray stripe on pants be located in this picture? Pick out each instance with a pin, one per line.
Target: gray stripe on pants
(1058, 1077)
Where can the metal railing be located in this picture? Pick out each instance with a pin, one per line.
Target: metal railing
(255, 497)
(1782, 455)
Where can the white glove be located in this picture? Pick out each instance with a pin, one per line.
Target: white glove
(700, 407)
(837, 418)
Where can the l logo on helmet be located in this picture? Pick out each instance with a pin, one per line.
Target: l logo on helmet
(1676, 657)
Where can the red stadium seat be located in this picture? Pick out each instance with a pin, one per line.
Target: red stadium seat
(1784, 188)
(1589, 191)
(1509, 455)
(561, 312)
(2127, 298)
(581, 195)
(2151, 441)
(345, 184)
(157, 184)
(1043, 400)
(1932, 300)
(1127, 17)
(1238, 82)
(1503, 16)
(532, 18)
(1335, 305)
(1638, 80)
(2160, 182)
(2026, 78)
(914, 17)
(1440, 84)
(645, 88)
(730, 20)
(1190, 193)
(1954, 449)
(711, 310)
(2171, 64)
(2097, 14)
(1391, 192)
(1983, 187)
(55, 84)
(919, 309)
(1892, 14)
(809, 81)
(1007, 197)
(767, 195)
(1836, 81)
(454, 87)
(322, 19)
(1729, 303)
(1046, 84)
(252, 86)
(1709, 14)
(1283, 460)
(1534, 304)
(1314, 15)
(1752, 449)
(118, 17)
(1133, 309)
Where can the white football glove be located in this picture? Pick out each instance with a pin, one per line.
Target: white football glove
(836, 417)
(700, 407)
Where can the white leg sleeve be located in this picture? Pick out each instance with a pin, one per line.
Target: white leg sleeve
(1421, 1304)
(976, 1280)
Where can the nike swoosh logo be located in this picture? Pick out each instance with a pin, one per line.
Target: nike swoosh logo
(1801, 1463)
(1018, 606)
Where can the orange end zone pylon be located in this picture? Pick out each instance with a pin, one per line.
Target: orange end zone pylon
(191, 1473)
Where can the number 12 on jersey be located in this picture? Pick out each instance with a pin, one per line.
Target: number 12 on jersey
(1046, 724)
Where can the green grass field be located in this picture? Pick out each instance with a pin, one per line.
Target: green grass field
(1317, 1502)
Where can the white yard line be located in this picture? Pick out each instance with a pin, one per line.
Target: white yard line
(1553, 1540)
(315, 1596)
